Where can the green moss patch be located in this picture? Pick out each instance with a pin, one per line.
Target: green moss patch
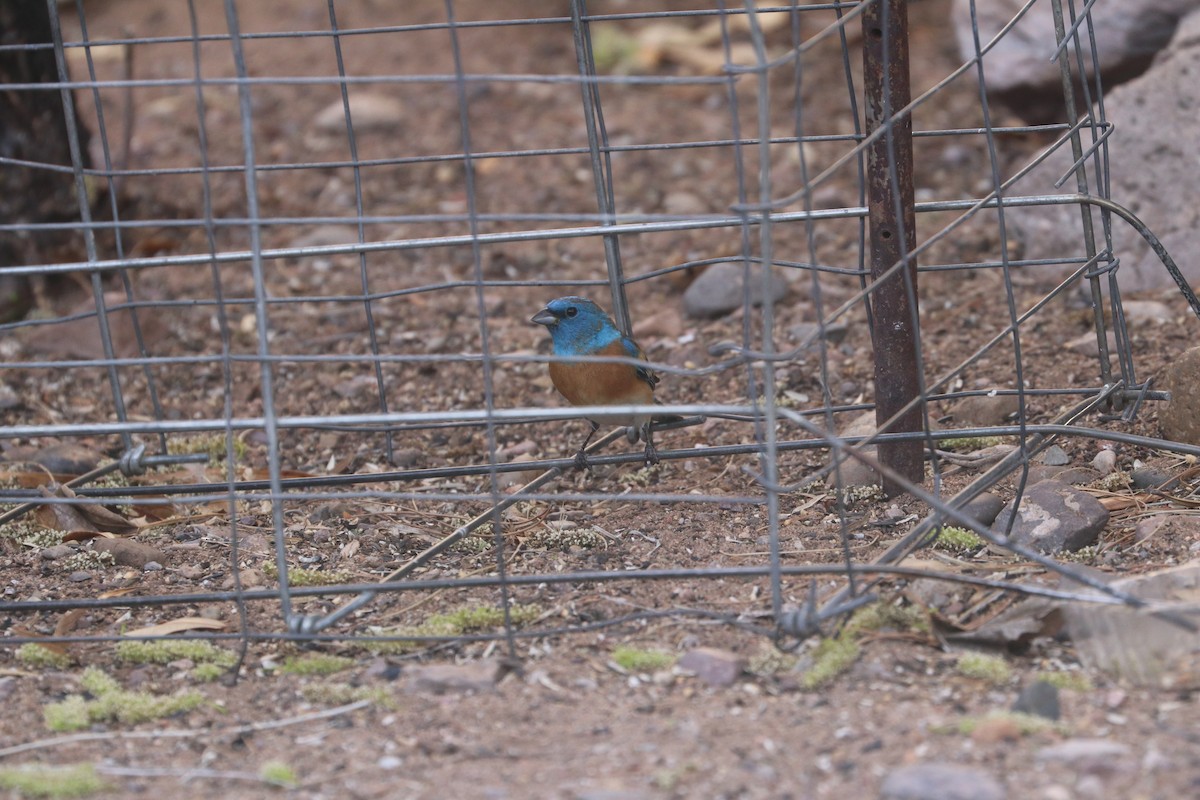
(47, 780)
(110, 703)
(635, 659)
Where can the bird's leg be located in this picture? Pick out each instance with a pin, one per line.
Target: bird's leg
(651, 453)
(581, 461)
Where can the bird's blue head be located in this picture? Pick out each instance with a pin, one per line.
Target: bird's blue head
(577, 325)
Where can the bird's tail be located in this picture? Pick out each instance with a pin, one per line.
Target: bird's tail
(635, 433)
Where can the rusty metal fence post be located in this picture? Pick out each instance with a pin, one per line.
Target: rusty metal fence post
(894, 325)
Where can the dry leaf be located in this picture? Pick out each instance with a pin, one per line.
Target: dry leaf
(43, 641)
(117, 592)
(29, 480)
(262, 474)
(106, 520)
(58, 517)
(68, 621)
(78, 518)
(179, 626)
(1120, 502)
(1015, 627)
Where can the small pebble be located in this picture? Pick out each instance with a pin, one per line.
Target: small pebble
(1105, 462)
(1151, 478)
(80, 577)
(152, 566)
(1055, 456)
(1039, 698)
(56, 552)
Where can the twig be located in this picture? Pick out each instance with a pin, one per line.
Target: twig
(186, 773)
(252, 727)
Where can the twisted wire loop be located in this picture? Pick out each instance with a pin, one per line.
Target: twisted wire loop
(271, 306)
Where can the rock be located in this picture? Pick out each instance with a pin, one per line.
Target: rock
(1180, 418)
(936, 781)
(1177, 527)
(684, 204)
(720, 289)
(664, 323)
(985, 411)
(129, 553)
(508, 479)
(714, 666)
(1076, 476)
(1053, 517)
(56, 552)
(835, 333)
(66, 459)
(609, 794)
(1145, 528)
(1150, 166)
(80, 576)
(16, 297)
(152, 566)
(323, 235)
(80, 336)
(1054, 456)
(984, 508)
(1145, 649)
(1151, 311)
(1086, 344)
(369, 111)
(1105, 462)
(1039, 698)
(382, 669)
(1152, 478)
(1088, 755)
(522, 448)
(1019, 70)
(853, 471)
(8, 398)
(991, 731)
(251, 578)
(407, 457)
(475, 676)
(355, 386)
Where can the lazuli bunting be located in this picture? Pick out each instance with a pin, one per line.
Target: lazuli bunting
(579, 327)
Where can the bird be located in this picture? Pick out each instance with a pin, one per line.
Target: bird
(579, 327)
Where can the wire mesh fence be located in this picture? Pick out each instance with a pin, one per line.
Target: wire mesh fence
(286, 284)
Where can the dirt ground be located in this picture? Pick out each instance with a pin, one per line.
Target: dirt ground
(567, 720)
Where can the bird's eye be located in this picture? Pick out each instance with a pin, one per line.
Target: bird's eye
(571, 311)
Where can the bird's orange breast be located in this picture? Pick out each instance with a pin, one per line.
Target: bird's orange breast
(598, 384)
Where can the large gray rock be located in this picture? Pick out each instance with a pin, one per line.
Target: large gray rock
(1153, 171)
(1180, 417)
(1019, 70)
(721, 289)
(1054, 517)
(714, 666)
(937, 781)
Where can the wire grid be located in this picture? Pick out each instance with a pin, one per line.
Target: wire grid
(253, 258)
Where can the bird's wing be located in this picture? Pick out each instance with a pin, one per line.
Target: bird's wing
(643, 372)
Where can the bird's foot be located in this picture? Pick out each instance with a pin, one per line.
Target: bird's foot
(651, 454)
(581, 460)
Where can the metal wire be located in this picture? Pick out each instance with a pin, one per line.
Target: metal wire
(264, 331)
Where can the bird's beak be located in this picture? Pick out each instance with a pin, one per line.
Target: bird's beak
(544, 317)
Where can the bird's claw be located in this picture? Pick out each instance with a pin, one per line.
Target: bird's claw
(651, 454)
(581, 460)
